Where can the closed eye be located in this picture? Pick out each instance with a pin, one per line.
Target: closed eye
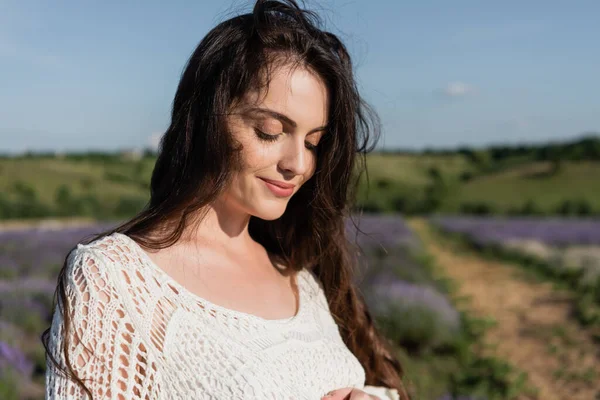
(267, 136)
(310, 146)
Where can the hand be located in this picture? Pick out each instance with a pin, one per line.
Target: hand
(348, 394)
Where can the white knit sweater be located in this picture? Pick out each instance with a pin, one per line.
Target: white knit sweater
(153, 339)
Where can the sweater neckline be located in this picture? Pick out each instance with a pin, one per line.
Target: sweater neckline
(182, 290)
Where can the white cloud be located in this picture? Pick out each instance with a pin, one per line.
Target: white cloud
(154, 140)
(458, 89)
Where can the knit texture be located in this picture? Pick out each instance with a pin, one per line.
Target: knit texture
(138, 334)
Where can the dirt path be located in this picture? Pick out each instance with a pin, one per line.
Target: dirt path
(534, 331)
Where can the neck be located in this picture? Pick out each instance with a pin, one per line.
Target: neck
(220, 225)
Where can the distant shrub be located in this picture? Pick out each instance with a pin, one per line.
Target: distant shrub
(62, 194)
(531, 208)
(401, 204)
(493, 376)
(130, 205)
(369, 206)
(435, 194)
(465, 176)
(575, 207)
(557, 167)
(6, 207)
(383, 183)
(587, 309)
(477, 208)
(434, 173)
(23, 204)
(89, 205)
(567, 207)
(86, 183)
(63, 200)
(583, 207)
(24, 191)
(117, 178)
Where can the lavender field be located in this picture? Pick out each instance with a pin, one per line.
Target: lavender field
(399, 290)
(565, 249)
(30, 260)
(550, 231)
(567, 245)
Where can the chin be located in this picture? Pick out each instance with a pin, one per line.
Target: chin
(270, 212)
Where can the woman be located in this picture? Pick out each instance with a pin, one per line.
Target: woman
(235, 281)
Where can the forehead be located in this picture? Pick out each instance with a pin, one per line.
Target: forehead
(297, 93)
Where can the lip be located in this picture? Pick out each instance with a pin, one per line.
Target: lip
(278, 188)
(279, 183)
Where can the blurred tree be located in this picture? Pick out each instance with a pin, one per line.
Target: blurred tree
(63, 201)
(465, 176)
(531, 208)
(86, 184)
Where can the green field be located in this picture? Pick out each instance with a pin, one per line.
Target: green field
(91, 187)
(47, 175)
(544, 180)
(513, 187)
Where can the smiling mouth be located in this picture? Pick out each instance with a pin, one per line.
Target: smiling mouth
(279, 189)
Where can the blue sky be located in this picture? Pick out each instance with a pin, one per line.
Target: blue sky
(101, 75)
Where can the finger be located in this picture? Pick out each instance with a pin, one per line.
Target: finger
(338, 394)
(360, 395)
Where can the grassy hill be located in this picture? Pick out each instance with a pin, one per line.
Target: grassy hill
(545, 179)
(532, 182)
(396, 178)
(53, 186)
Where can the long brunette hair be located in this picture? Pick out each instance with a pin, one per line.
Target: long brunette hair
(196, 156)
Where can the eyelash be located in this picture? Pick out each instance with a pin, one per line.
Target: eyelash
(271, 138)
(266, 136)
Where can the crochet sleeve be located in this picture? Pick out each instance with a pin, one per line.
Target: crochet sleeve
(104, 348)
(382, 392)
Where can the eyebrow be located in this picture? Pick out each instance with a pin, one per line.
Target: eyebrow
(283, 118)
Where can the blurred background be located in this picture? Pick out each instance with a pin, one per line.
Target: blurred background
(480, 256)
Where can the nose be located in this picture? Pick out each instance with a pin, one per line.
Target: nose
(296, 158)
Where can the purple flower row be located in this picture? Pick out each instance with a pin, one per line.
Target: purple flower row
(28, 252)
(552, 231)
(13, 357)
(380, 230)
(388, 291)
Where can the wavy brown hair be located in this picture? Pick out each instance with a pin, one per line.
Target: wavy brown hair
(195, 162)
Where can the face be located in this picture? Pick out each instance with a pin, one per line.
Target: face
(279, 132)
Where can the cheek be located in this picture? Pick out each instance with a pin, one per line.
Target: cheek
(256, 156)
(312, 169)
(252, 153)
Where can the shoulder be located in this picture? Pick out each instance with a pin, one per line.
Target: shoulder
(99, 263)
(310, 279)
(89, 265)
(109, 248)
(105, 275)
(314, 286)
